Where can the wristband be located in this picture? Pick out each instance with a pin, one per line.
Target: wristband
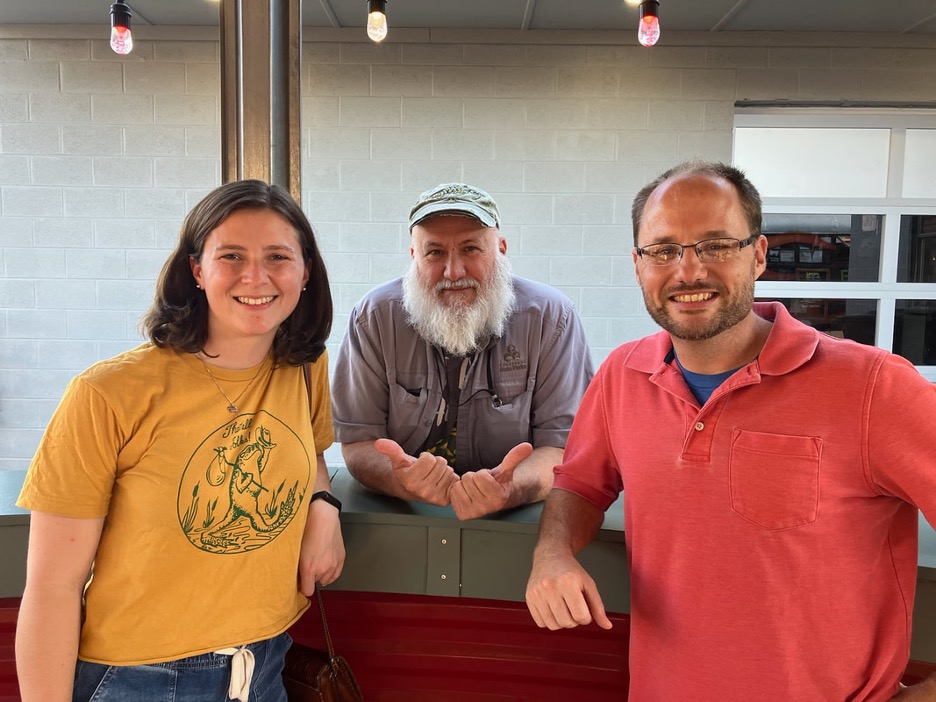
(328, 497)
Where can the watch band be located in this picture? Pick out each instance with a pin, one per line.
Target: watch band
(328, 497)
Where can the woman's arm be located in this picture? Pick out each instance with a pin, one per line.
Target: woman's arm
(61, 551)
(322, 555)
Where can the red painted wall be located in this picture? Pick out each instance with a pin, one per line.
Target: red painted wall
(420, 648)
(9, 607)
(425, 649)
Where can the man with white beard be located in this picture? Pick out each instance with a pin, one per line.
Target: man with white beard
(457, 384)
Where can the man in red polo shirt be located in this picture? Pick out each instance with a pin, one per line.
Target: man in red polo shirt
(772, 477)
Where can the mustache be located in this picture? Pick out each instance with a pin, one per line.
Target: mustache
(460, 284)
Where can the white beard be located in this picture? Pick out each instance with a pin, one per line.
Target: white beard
(460, 329)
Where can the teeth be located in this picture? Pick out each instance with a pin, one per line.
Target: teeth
(255, 300)
(695, 297)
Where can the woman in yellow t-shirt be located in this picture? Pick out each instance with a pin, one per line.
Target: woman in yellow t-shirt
(176, 529)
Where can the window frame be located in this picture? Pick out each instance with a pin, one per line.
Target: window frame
(892, 207)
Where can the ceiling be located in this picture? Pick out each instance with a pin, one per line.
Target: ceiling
(897, 16)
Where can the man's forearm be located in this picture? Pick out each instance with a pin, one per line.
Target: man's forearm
(533, 478)
(568, 523)
(372, 469)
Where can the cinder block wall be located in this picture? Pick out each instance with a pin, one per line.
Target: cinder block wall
(101, 157)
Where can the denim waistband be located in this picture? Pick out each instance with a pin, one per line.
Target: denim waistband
(213, 659)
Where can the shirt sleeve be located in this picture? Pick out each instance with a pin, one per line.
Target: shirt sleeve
(901, 433)
(75, 467)
(565, 370)
(360, 391)
(589, 468)
(323, 429)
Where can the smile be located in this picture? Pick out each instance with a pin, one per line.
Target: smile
(255, 300)
(694, 297)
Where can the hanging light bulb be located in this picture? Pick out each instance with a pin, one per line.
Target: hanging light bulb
(377, 19)
(121, 40)
(648, 31)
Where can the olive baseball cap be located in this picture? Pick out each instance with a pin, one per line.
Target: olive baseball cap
(456, 199)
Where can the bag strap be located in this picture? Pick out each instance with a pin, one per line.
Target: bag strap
(328, 639)
(307, 374)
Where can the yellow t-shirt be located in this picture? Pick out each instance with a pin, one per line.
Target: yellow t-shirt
(205, 509)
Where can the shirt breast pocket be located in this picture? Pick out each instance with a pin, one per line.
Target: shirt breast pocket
(410, 414)
(507, 424)
(774, 478)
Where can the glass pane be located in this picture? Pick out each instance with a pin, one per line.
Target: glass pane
(916, 258)
(919, 156)
(814, 161)
(823, 247)
(847, 319)
(915, 331)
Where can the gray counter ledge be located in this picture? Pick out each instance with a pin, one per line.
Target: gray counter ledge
(403, 547)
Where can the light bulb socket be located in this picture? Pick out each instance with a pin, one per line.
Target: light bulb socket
(649, 8)
(377, 6)
(120, 14)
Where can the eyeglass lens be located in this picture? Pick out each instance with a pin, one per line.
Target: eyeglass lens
(708, 251)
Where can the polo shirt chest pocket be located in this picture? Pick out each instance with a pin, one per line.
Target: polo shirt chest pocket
(774, 478)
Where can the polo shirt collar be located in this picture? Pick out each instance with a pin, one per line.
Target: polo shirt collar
(789, 345)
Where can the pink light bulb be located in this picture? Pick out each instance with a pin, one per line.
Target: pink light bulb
(648, 31)
(121, 40)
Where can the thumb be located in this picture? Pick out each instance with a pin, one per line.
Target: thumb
(519, 453)
(392, 450)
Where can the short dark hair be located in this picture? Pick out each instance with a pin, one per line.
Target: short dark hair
(747, 193)
(178, 317)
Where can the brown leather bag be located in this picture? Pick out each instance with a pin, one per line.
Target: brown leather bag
(311, 675)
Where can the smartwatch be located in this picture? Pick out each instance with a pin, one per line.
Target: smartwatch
(328, 497)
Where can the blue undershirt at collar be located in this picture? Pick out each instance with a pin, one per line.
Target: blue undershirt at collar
(703, 385)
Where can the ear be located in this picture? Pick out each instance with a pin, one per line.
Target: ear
(636, 267)
(760, 256)
(307, 273)
(196, 269)
(502, 244)
(412, 251)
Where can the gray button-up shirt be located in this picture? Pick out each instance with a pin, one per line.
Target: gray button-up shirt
(389, 382)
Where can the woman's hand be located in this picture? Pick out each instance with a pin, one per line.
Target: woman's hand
(322, 555)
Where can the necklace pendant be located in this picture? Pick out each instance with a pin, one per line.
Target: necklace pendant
(232, 404)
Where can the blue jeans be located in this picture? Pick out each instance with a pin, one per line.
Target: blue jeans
(203, 678)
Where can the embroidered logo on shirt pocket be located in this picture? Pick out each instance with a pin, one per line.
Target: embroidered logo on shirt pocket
(774, 479)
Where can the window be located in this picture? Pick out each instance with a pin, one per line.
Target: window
(814, 247)
(915, 331)
(846, 319)
(916, 261)
(850, 219)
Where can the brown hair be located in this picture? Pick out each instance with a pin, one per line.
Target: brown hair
(747, 193)
(178, 317)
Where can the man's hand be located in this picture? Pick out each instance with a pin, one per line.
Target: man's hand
(427, 478)
(485, 491)
(322, 554)
(922, 692)
(561, 595)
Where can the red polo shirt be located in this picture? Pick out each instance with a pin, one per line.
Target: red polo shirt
(772, 533)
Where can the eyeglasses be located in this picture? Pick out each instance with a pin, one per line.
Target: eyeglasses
(708, 251)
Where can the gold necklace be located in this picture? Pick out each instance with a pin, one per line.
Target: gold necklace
(232, 404)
